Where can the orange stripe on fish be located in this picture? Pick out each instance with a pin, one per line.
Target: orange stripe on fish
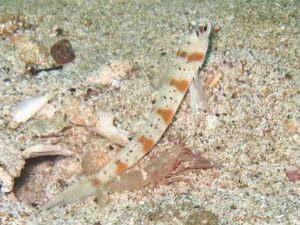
(195, 57)
(166, 114)
(191, 57)
(121, 166)
(147, 143)
(180, 85)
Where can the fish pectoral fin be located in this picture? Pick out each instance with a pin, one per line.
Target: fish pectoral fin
(198, 96)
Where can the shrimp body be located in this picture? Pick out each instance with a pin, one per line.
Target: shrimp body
(189, 58)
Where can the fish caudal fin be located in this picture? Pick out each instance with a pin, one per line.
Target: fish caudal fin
(80, 190)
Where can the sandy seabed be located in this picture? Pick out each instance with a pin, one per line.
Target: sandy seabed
(255, 106)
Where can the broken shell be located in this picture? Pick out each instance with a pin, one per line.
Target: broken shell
(106, 129)
(108, 75)
(43, 149)
(62, 52)
(25, 109)
(6, 181)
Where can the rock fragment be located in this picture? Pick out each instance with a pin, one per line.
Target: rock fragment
(11, 157)
(6, 181)
(80, 112)
(95, 157)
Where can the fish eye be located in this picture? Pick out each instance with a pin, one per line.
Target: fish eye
(203, 28)
(200, 26)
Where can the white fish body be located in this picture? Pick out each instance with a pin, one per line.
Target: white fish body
(190, 57)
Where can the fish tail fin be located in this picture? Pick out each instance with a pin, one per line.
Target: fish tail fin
(80, 190)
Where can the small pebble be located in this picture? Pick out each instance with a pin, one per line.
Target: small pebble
(80, 112)
(90, 93)
(62, 52)
(94, 158)
(59, 31)
(72, 90)
(212, 122)
(294, 175)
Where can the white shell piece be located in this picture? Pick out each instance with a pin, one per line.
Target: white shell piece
(212, 122)
(25, 109)
(44, 149)
(105, 128)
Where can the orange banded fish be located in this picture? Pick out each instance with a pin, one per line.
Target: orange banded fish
(189, 58)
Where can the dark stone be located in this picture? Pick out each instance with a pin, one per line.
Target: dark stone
(62, 52)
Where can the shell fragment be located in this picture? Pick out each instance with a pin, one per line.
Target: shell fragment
(25, 109)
